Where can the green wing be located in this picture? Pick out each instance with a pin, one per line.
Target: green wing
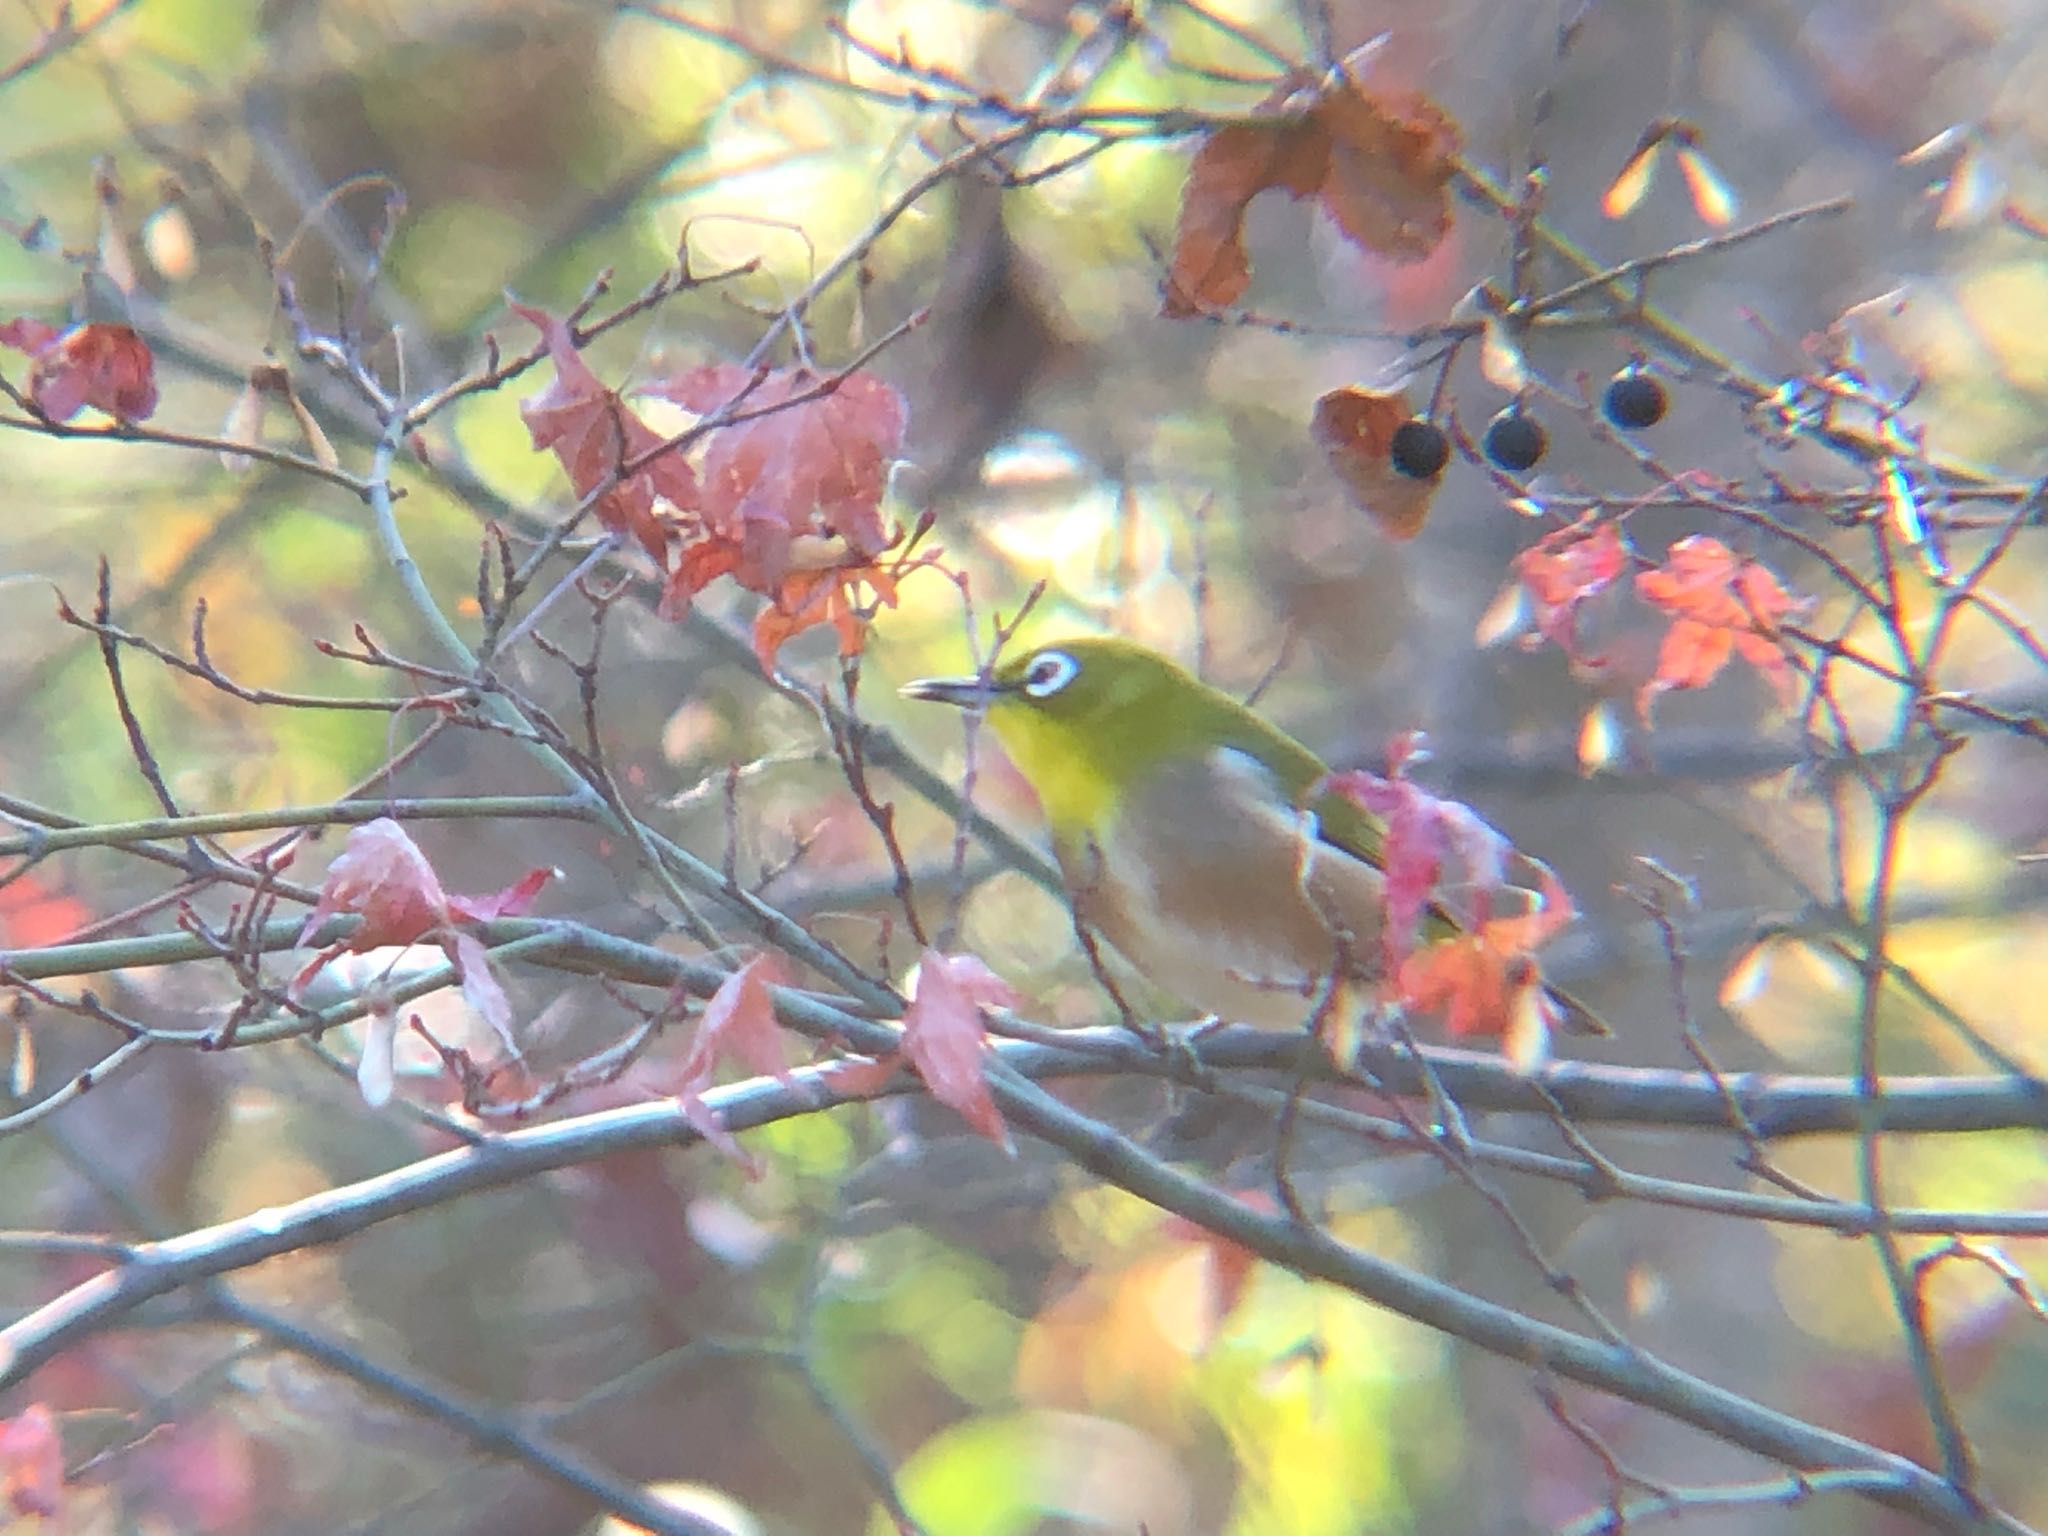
(1347, 825)
(1344, 824)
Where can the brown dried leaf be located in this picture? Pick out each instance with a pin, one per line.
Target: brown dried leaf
(1379, 163)
(1355, 429)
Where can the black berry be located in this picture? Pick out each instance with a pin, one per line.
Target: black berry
(1515, 440)
(1635, 400)
(1419, 449)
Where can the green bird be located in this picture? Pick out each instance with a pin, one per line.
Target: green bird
(1193, 835)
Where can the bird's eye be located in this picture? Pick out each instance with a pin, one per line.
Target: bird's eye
(1049, 672)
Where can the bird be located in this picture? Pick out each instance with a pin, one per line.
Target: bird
(1201, 840)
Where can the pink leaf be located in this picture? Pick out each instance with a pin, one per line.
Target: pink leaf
(1423, 832)
(1563, 570)
(945, 1040)
(810, 460)
(31, 1462)
(480, 985)
(860, 1076)
(738, 1024)
(381, 875)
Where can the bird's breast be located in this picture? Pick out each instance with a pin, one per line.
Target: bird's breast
(1222, 893)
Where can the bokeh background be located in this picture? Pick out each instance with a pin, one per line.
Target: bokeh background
(1028, 1350)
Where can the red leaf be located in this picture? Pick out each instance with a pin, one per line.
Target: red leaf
(1721, 605)
(859, 1076)
(1422, 831)
(31, 1462)
(1565, 568)
(812, 458)
(738, 1024)
(944, 1039)
(792, 497)
(1379, 163)
(381, 875)
(593, 433)
(514, 900)
(1355, 429)
(104, 365)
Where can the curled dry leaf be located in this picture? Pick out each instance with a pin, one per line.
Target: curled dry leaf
(103, 365)
(1355, 429)
(1721, 605)
(1378, 162)
(591, 430)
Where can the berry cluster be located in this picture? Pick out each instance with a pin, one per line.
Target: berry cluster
(1515, 440)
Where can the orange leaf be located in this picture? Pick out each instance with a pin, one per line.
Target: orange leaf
(1392, 154)
(1379, 163)
(842, 596)
(1234, 165)
(1487, 983)
(1355, 429)
(1564, 569)
(1231, 1264)
(1721, 605)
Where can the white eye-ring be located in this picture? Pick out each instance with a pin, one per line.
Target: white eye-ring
(1049, 672)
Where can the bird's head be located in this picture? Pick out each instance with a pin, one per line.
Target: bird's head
(1084, 719)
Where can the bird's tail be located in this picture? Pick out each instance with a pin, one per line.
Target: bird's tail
(1575, 1018)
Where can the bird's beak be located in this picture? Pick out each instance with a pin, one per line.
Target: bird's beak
(961, 692)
